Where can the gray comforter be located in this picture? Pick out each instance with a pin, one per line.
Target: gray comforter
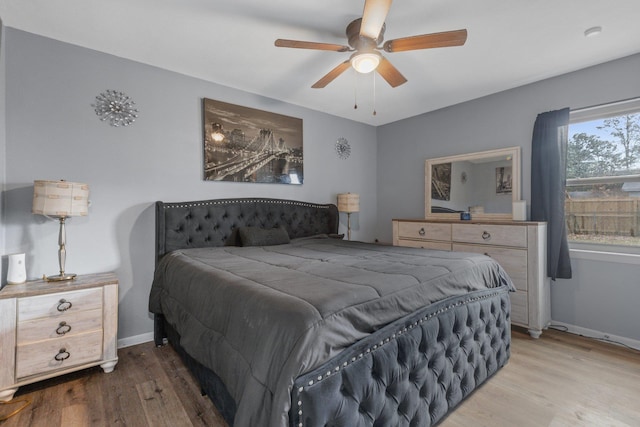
(261, 316)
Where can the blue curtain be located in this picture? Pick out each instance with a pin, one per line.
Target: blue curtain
(548, 180)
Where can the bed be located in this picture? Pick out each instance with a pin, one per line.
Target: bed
(284, 323)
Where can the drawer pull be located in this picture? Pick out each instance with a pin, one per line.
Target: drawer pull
(64, 305)
(63, 354)
(63, 328)
(486, 235)
(422, 232)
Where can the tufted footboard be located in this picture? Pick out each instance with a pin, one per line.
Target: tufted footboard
(413, 371)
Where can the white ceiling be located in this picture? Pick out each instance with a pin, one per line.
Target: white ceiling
(510, 43)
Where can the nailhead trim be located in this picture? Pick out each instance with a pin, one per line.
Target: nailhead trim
(387, 340)
(234, 201)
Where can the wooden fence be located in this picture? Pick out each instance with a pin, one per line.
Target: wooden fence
(605, 216)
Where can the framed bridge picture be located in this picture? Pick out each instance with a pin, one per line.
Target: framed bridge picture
(503, 180)
(244, 144)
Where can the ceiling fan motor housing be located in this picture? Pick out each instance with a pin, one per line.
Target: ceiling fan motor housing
(362, 43)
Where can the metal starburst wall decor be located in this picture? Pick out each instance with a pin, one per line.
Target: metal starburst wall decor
(343, 149)
(115, 107)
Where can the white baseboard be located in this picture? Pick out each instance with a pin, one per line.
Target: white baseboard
(573, 329)
(136, 339)
(590, 333)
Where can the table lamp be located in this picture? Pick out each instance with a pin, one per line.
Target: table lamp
(60, 199)
(349, 203)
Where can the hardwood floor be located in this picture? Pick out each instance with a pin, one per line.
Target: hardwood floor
(149, 387)
(558, 380)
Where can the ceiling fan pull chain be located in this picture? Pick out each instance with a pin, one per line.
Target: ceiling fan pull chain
(355, 90)
(374, 94)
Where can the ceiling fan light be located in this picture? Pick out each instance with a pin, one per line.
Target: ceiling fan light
(365, 62)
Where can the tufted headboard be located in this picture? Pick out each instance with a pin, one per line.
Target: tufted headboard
(215, 222)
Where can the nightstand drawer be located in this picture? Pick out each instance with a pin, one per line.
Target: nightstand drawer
(40, 357)
(489, 234)
(59, 327)
(424, 230)
(59, 304)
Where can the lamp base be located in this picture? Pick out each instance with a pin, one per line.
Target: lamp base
(60, 277)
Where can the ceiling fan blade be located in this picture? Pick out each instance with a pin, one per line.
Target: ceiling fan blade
(373, 16)
(427, 41)
(297, 44)
(331, 75)
(390, 73)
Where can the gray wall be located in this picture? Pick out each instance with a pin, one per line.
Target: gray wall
(53, 133)
(3, 146)
(601, 296)
(502, 120)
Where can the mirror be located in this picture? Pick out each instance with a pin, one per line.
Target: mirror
(484, 184)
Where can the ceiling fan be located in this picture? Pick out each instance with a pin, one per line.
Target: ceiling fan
(365, 36)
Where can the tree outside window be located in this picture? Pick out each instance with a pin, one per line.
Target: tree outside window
(603, 180)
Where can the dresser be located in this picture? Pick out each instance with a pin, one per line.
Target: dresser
(53, 328)
(518, 246)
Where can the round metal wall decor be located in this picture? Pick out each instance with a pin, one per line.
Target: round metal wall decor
(342, 148)
(116, 108)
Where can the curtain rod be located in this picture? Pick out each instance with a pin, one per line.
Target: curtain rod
(610, 104)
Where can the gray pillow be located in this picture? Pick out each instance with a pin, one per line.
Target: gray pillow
(256, 236)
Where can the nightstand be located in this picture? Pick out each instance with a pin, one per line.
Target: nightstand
(53, 328)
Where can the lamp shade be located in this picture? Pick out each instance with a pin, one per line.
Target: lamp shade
(60, 198)
(365, 62)
(348, 202)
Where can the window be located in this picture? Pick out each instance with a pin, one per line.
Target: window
(602, 203)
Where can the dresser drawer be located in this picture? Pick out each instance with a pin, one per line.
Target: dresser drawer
(490, 234)
(40, 357)
(519, 308)
(425, 244)
(513, 261)
(59, 327)
(424, 230)
(59, 304)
